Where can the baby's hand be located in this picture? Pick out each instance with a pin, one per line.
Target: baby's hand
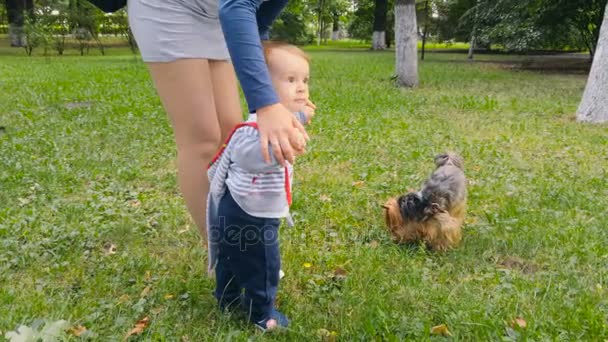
(298, 143)
(309, 111)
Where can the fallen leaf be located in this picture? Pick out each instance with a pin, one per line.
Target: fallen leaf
(186, 229)
(169, 296)
(123, 299)
(340, 273)
(185, 338)
(307, 265)
(139, 327)
(157, 310)
(441, 329)
(23, 333)
(147, 276)
(358, 183)
(326, 335)
(519, 322)
(373, 244)
(512, 262)
(325, 198)
(145, 291)
(134, 203)
(471, 220)
(77, 330)
(109, 248)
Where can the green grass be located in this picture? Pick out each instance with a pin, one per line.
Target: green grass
(86, 159)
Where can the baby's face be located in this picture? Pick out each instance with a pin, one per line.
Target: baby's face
(289, 73)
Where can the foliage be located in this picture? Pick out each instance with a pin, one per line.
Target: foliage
(292, 25)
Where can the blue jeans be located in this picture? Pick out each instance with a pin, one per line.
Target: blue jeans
(249, 259)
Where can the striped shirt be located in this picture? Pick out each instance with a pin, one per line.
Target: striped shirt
(259, 188)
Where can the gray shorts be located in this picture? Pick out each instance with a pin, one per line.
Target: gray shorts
(167, 30)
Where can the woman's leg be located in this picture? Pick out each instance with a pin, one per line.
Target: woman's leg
(187, 92)
(226, 95)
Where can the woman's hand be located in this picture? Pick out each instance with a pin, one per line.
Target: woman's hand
(281, 129)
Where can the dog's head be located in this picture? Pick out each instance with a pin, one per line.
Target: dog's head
(412, 206)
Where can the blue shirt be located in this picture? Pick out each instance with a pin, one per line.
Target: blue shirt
(245, 24)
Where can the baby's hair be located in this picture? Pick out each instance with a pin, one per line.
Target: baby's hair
(270, 45)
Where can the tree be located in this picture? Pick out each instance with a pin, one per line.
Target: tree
(406, 41)
(426, 27)
(379, 34)
(594, 105)
(16, 10)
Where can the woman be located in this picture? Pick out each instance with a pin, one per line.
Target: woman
(188, 55)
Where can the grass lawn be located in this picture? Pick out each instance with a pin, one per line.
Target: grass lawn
(93, 230)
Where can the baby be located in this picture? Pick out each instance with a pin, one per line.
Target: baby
(248, 196)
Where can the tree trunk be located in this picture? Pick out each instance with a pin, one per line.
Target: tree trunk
(426, 27)
(471, 46)
(594, 105)
(320, 22)
(379, 35)
(14, 11)
(406, 42)
(474, 32)
(335, 33)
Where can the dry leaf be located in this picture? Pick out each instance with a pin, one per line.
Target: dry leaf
(109, 248)
(169, 296)
(340, 273)
(145, 291)
(326, 335)
(123, 299)
(519, 322)
(157, 310)
(325, 198)
(358, 183)
(373, 244)
(147, 276)
(186, 229)
(441, 329)
(77, 330)
(307, 265)
(139, 327)
(134, 203)
(185, 338)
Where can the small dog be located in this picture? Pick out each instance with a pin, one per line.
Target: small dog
(436, 213)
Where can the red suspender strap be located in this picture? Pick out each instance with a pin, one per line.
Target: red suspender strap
(287, 187)
(254, 125)
(219, 153)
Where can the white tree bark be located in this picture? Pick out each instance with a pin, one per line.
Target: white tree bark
(379, 40)
(406, 42)
(471, 47)
(335, 35)
(594, 105)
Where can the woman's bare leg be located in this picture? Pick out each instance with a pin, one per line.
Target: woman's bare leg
(188, 95)
(226, 95)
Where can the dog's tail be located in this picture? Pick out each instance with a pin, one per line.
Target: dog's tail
(449, 158)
